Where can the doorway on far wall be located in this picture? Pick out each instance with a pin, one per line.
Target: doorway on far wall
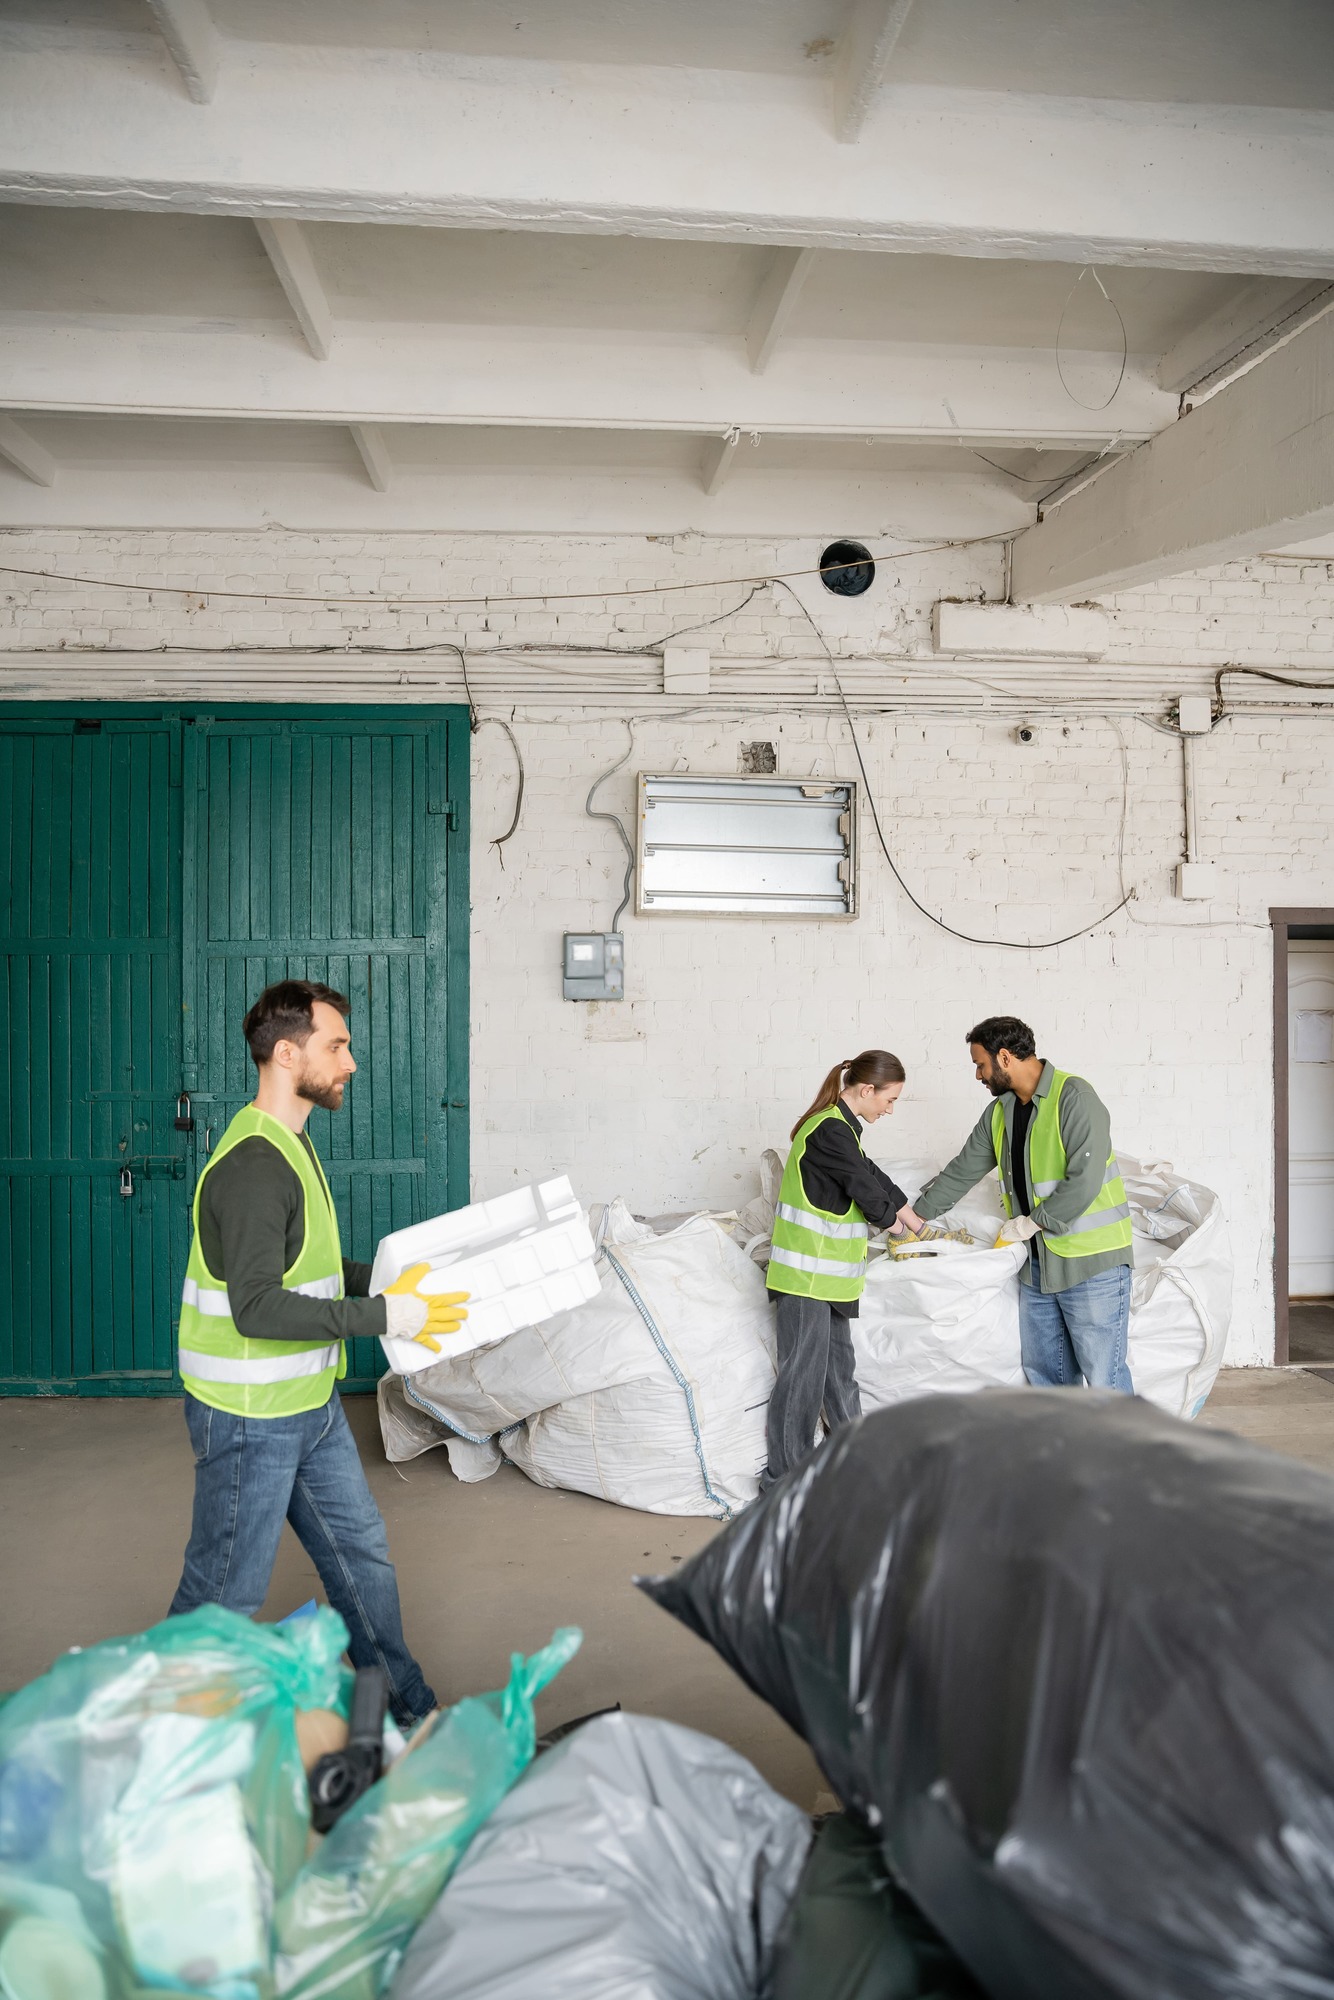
(1304, 1137)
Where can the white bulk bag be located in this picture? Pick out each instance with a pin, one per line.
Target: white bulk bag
(1181, 1306)
(943, 1323)
(652, 1395)
(953, 1323)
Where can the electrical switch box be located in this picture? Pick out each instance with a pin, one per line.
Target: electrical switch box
(594, 965)
(1195, 714)
(1197, 881)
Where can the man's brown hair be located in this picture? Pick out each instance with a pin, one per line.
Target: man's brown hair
(285, 1012)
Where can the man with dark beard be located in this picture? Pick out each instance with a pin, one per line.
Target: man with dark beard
(268, 1302)
(1050, 1138)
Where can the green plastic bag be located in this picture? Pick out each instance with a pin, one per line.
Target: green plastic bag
(152, 1787)
(343, 1926)
(155, 1816)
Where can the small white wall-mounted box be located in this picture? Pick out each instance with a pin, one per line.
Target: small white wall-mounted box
(521, 1258)
(1195, 714)
(1197, 881)
(685, 670)
(1020, 631)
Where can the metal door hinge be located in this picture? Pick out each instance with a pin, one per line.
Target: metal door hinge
(450, 811)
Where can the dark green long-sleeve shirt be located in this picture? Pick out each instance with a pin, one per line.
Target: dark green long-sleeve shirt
(1086, 1134)
(252, 1217)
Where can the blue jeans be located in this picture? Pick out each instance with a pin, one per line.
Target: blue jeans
(251, 1474)
(1080, 1332)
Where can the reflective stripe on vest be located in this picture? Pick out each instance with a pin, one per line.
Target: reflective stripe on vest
(1105, 1223)
(851, 1231)
(217, 1305)
(264, 1378)
(215, 1368)
(815, 1254)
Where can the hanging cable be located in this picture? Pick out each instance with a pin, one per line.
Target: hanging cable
(1160, 923)
(1092, 270)
(446, 603)
(1263, 674)
(448, 646)
(999, 944)
(513, 827)
(628, 723)
(476, 722)
(615, 820)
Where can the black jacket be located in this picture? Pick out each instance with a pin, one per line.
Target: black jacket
(836, 1172)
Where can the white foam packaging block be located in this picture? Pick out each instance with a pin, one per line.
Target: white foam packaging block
(521, 1257)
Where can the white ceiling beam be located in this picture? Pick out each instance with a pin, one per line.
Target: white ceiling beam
(369, 440)
(603, 149)
(187, 29)
(231, 492)
(716, 462)
(1209, 348)
(23, 452)
(780, 288)
(563, 377)
(861, 61)
(1252, 468)
(289, 254)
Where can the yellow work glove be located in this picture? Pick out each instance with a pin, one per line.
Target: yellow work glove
(444, 1310)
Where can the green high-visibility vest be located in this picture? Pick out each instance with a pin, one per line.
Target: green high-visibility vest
(1105, 1223)
(264, 1378)
(815, 1254)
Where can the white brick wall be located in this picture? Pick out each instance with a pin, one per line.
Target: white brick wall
(729, 1024)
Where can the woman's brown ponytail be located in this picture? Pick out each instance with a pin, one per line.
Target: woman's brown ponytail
(874, 1066)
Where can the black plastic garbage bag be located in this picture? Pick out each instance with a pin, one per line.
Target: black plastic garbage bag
(635, 1861)
(852, 1934)
(1075, 1660)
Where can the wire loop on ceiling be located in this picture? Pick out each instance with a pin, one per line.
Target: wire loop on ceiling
(1091, 270)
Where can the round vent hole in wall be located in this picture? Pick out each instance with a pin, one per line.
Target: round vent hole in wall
(846, 568)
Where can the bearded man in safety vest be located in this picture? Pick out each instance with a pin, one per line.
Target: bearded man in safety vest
(269, 1301)
(1049, 1136)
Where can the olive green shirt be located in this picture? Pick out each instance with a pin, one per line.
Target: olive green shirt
(1086, 1134)
(252, 1222)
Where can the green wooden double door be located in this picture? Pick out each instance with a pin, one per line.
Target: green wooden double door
(157, 869)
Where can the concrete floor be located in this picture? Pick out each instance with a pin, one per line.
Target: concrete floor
(95, 1500)
(1288, 1409)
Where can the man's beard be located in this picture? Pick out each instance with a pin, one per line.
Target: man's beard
(328, 1095)
(997, 1085)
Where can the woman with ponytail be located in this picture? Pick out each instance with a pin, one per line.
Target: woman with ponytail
(832, 1197)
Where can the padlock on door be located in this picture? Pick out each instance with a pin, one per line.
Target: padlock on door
(126, 1182)
(184, 1120)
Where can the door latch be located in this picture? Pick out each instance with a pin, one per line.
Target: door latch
(126, 1182)
(184, 1120)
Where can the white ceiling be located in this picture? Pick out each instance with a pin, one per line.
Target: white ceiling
(90, 261)
(553, 359)
(1157, 51)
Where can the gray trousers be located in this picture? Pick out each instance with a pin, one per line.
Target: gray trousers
(816, 1372)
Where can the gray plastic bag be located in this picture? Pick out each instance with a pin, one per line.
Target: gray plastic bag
(635, 1861)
